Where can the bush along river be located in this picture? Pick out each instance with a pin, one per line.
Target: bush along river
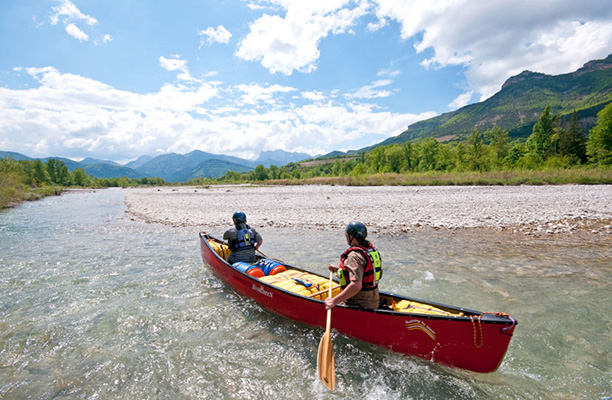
(95, 305)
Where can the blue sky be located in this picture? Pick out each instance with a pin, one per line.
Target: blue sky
(120, 79)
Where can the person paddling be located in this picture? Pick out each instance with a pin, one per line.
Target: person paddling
(359, 271)
(243, 240)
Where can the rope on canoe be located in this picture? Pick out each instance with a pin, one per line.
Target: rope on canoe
(497, 314)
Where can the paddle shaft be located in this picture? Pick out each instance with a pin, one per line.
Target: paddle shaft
(325, 355)
(328, 324)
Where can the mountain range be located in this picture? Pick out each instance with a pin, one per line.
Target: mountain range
(515, 108)
(173, 167)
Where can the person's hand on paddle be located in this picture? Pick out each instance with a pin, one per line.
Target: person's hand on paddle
(333, 268)
(329, 303)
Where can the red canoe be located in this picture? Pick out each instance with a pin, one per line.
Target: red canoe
(444, 334)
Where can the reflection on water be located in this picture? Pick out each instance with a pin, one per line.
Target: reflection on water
(95, 305)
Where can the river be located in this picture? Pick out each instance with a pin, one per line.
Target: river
(94, 305)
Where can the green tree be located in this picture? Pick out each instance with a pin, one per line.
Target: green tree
(58, 172)
(231, 176)
(476, 151)
(123, 182)
(446, 160)
(498, 140)
(428, 153)
(376, 159)
(260, 174)
(572, 142)
(599, 145)
(539, 143)
(80, 178)
(395, 158)
(515, 154)
(274, 172)
(39, 174)
(409, 156)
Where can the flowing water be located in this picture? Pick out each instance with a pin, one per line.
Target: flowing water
(96, 306)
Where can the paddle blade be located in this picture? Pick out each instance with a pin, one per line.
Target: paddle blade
(325, 362)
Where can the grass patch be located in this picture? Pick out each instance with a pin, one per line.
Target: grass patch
(578, 175)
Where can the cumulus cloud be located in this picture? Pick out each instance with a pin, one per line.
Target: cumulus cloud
(67, 12)
(492, 40)
(256, 93)
(289, 43)
(313, 96)
(69, 15)
(172, 64)
(72, 116)
(215, 35)
(499, 38)
(76, 33)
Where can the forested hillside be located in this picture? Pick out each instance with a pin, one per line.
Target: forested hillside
(518, 105)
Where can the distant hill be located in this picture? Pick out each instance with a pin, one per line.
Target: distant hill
(138, 162)
(280, 158)
(14, 156)
(164, 166)
(212, 168)
(197, 156)
(102, 170)
(520, 102)
(170, 167)
(72, 165)
(196, 164)
(90, 161)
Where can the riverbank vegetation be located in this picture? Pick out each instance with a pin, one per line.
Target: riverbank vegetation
(556, 152)
(31, 180)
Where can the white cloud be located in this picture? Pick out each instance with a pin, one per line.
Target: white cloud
(76, 33)
(391, 73)
(211, 35)
(67, 11)
(500, 38)
(371, 91)
(313, 96)
(73, 116)
(255, 93)
(70, 15)
(172, 64)
(290, 43)
(103, 40)
(374, 26)
(461, 100)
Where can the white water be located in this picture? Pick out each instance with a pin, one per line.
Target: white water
(93, 305)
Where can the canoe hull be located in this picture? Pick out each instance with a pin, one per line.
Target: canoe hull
(476, 344)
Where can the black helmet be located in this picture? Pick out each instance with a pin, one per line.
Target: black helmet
(239, 216)
(357, 230)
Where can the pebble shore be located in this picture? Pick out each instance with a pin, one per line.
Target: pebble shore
(386, 210)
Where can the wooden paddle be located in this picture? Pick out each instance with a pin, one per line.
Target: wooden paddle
(325, 358)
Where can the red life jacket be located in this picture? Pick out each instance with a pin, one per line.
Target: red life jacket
(372, 272)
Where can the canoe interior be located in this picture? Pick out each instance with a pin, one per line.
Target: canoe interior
(387, 300)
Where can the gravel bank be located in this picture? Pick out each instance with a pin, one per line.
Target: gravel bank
(527, 210)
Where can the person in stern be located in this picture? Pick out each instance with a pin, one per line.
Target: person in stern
(242, 240)
(359, 271)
